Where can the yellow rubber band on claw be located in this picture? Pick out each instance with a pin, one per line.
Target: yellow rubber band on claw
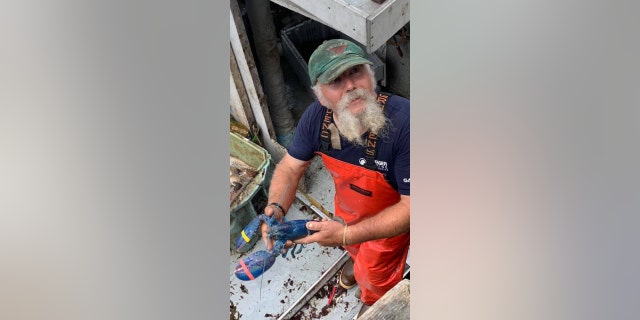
(244, 236)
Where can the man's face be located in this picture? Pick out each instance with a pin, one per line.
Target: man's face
(353, 99)
(356, 77)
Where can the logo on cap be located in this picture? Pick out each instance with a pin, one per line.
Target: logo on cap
(338, 49)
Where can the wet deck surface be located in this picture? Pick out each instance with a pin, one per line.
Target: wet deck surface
(272, 294)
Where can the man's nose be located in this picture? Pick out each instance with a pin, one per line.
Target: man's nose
(349, 84)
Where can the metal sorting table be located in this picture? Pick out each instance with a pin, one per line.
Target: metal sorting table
(296, 288)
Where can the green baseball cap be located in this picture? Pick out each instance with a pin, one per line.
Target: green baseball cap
(332, 58)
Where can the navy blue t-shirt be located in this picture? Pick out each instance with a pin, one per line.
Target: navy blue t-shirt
(392, 158)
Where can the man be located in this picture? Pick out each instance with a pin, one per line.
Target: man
(366, 150)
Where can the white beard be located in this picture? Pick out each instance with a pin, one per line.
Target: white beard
(352, 126)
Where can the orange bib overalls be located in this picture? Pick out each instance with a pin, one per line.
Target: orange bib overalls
(360, 193)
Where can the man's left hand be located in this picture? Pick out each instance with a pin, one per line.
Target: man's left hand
(328, 233)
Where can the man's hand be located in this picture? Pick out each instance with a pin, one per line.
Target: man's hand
(264, 228)
(282, 190)
(328, 233)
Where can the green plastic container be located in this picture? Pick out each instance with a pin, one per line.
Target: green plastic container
(254, 198)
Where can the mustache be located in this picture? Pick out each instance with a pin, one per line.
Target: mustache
(353, 95)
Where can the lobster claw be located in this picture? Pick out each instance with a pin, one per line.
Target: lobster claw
(254, 265)
(248, 235)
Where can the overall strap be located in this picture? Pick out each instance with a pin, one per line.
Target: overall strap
(325, 135)
(372, 140)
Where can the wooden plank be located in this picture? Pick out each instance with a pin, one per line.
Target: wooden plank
(242, 95)
(237, 111)
(248, 82)
(394, 305)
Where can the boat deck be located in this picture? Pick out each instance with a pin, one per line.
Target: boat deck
(297, 287)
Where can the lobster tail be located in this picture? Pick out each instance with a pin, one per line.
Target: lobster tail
(290, 230)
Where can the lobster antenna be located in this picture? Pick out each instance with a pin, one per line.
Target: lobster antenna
(264, 262)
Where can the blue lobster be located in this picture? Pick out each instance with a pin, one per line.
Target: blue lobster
(258, 262)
